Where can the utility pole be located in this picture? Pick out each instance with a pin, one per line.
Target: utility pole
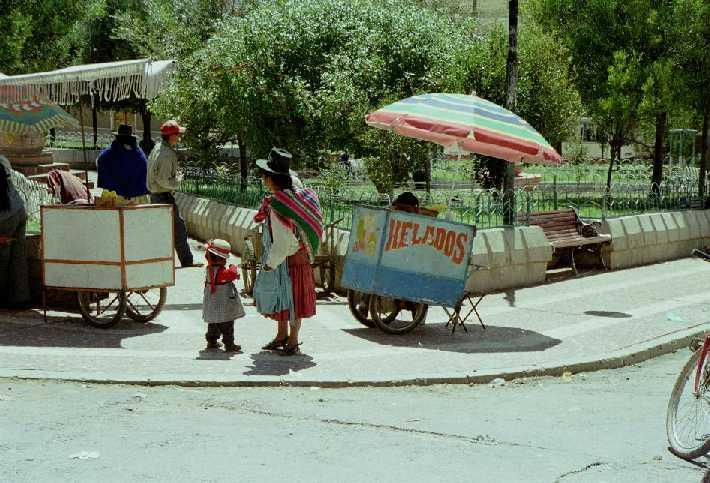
(510, 101)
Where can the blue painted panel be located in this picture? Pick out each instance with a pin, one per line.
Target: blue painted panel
(409, 257)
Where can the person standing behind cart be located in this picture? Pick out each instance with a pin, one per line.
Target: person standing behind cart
(221, 304)
(123, 168)
(163, 180)
(285, 289)
(14, 279)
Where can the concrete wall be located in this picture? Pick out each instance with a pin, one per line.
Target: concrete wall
(506, 258)
(651, 238)
(502, 258)
(75, 158)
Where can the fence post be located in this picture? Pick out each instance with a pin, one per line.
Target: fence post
(527, 207)
(554, 192)
(604, 202)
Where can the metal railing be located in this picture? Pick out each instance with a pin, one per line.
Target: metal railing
(483, 208)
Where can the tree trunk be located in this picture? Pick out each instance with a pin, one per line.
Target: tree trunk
(147, 142)
(658, 152)
(703, 154)
(615, 148)
(510, 102)
(243, 164)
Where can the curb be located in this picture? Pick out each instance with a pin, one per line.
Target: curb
(674, 342)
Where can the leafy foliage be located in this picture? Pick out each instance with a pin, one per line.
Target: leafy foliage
(303, 75)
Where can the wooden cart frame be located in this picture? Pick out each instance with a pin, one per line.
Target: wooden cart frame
(142, 302)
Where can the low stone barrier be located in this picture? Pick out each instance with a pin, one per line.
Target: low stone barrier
(507, 258)
(651, 238)
(75, 158)
(502, 258)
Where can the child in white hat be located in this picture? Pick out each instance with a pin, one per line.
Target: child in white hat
(221, 304)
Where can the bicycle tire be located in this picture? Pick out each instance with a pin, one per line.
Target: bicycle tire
(92, 317)
(359, 305)
(386, 324)
(685, 378)
(133, 312)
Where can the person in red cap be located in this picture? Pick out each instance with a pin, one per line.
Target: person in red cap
(163, 181)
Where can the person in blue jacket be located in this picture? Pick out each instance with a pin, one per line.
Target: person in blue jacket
(123, 167)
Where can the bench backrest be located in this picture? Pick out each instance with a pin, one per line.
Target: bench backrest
(552, 221)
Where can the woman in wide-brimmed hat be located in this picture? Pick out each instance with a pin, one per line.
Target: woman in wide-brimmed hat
(293, 226)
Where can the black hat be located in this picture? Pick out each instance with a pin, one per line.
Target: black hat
(407, 199)
(278, 162)
(125, 131)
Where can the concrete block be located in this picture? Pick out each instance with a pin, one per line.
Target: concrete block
(480, 255)
(539, 248)
(648, 229)
(615, 228)
(634, 234)
(681, 222)
(494, 241)
(693, 222)
(659, 227)
(672, 227)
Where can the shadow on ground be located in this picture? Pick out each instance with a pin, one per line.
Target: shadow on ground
(70, 331)
(476, 340)
(267, 363)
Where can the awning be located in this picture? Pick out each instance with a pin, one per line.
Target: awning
(109, 82)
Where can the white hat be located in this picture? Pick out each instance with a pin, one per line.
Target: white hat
(221, 248)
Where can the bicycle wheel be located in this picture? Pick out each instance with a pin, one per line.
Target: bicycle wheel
(359, 305)
(145, 305)
(102, 309)
(396, 316)
(688, 414)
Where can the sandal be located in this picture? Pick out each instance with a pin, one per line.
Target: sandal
(276, 344)
(291, 350)
(232, 348)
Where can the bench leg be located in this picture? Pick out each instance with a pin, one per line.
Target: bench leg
(574, 264)
(601, 258)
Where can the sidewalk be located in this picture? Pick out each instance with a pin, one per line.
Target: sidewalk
(601, 321)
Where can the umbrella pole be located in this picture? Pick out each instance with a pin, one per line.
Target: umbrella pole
(83, 144)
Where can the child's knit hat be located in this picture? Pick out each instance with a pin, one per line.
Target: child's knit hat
(218, 247)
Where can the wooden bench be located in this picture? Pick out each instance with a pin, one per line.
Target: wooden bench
(564, 230)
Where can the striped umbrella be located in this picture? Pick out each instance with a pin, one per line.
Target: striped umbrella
(34, 116)
(468, 123)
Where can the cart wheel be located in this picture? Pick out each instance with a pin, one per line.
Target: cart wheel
(249, 278)
(396, 316)
(359, 305)
(102, 309)
(145, 305)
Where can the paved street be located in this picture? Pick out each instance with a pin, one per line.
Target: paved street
(606, 426)
(600, 320)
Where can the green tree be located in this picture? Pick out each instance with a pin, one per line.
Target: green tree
(546, 95)
(618, 109)
(303, 75)
(39, 35)
(692, 61)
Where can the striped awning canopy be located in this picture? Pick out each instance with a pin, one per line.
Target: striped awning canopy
(467, 123)
(34, 116)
